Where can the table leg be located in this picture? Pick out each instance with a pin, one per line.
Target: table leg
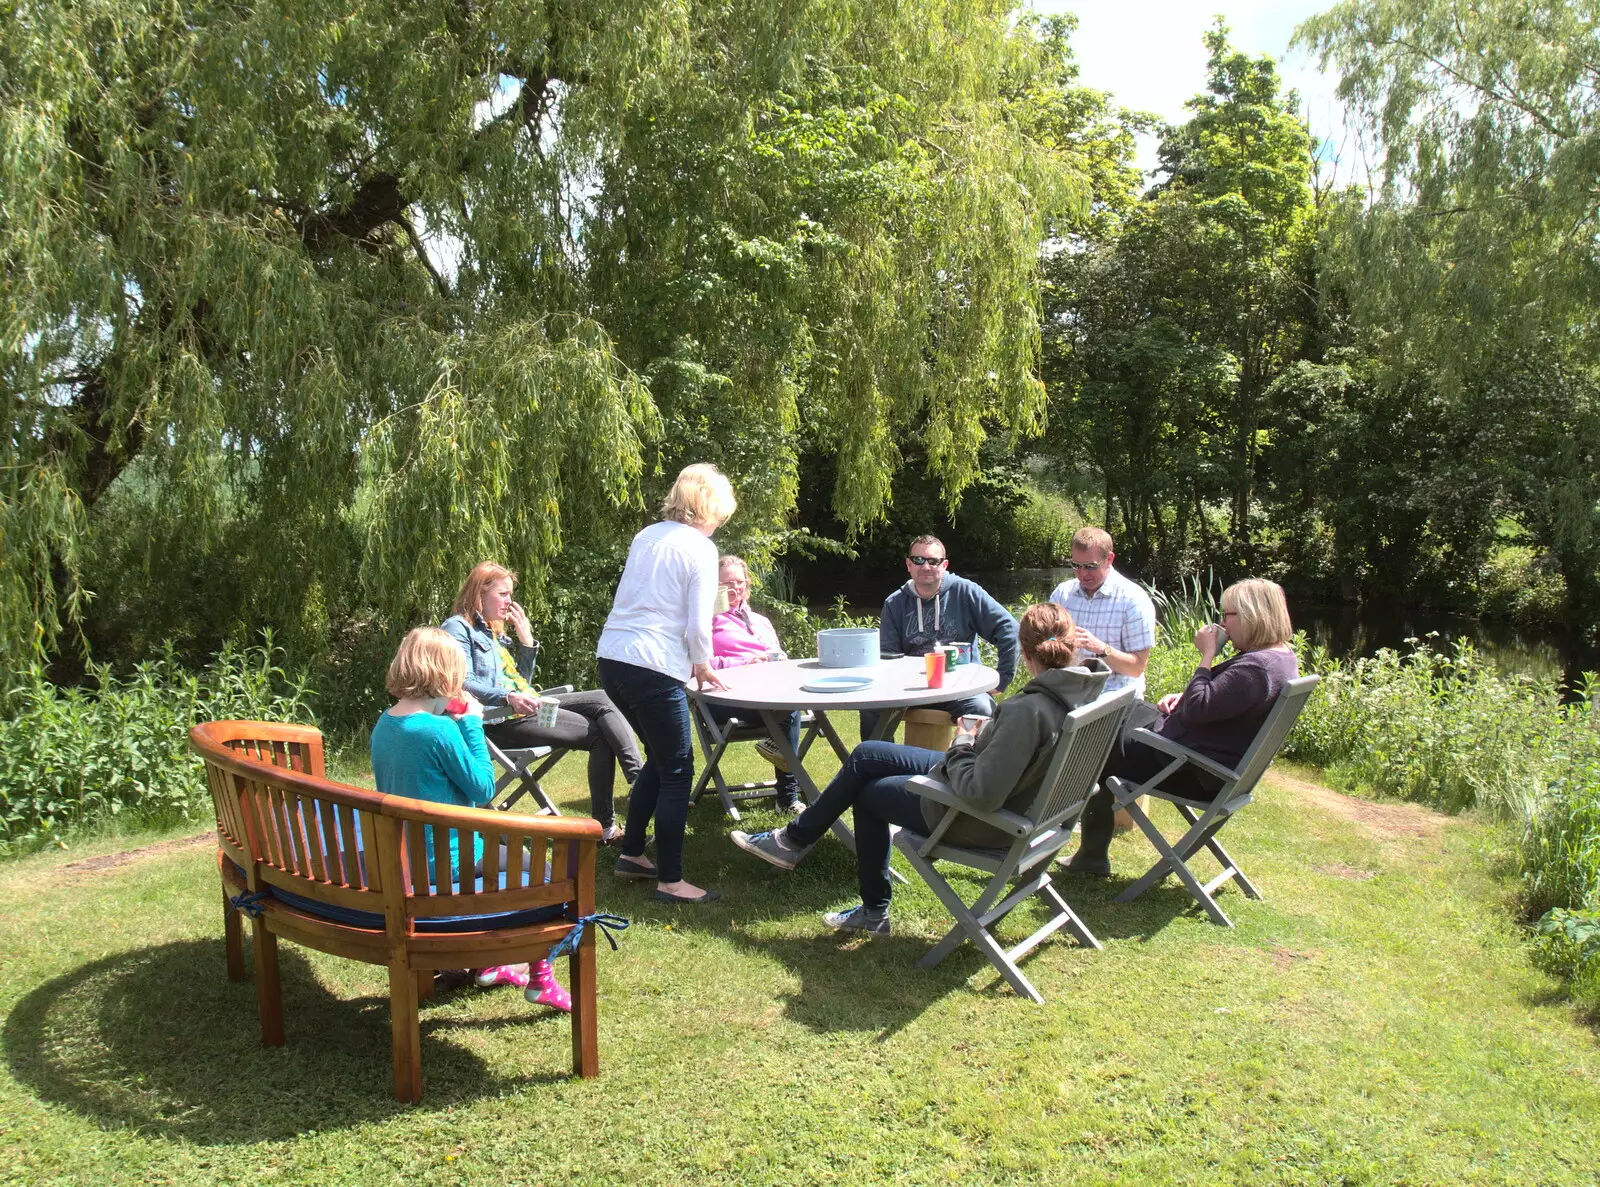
(888, 721)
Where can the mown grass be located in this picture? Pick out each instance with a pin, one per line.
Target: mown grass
(1374, 1020)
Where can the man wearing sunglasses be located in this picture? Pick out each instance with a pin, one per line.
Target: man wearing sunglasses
(1115, 618)
(936, 607)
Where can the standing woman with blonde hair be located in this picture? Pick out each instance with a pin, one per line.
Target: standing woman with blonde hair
(657, 637)
(1217, 715)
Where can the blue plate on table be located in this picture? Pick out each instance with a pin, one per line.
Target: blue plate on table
(837, 684)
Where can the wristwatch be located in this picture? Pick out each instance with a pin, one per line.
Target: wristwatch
(1101, 654)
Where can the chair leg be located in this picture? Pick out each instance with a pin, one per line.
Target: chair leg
(406, 1032)
(232, 938)
(1171, 862)
(1064, 917)
(1210, 842)
(424, 984)
(585, 1022)
(968, 927)
(269, 993)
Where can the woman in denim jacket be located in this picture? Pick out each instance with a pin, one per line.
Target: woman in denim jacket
(499, 671)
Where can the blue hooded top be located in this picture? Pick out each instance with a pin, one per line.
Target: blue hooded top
(960, 612)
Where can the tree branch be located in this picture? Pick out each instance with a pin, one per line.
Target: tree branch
(422, 254)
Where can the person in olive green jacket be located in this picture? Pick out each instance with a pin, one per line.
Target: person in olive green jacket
(1000, 766)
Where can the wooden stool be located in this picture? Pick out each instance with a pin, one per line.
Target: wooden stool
(932, 729)
(1122, 822)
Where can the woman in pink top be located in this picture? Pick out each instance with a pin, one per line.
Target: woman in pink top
(740, 636)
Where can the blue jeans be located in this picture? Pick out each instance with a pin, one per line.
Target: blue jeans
(788, 789)
(657, 708)
(873, 782)
(982, 704)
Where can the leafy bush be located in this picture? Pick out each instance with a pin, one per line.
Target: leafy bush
(71, 757)
(1568, 944)
(1446, 729)
(1519, 583)
(1560, 850)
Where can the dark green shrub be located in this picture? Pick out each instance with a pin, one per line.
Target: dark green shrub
(72, 757)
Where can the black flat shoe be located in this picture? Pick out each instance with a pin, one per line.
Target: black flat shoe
(708, 896)
(634, 870)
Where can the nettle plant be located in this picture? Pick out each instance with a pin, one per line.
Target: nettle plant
(73, 757)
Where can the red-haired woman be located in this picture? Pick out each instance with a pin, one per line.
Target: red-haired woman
(499, 670)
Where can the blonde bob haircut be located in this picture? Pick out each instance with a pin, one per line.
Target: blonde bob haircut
(702, 494)
(469, 600)
(428, 664)
(1263, 614)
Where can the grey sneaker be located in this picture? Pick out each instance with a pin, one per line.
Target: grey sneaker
(771, 847)
(858, 918)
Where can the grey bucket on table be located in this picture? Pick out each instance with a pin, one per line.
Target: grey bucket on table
(848, 647)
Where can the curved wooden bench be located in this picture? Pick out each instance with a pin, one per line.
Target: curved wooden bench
(347, 871)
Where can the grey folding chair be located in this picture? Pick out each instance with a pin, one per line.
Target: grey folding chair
(523, 768)
(1080, 751)
(1205, 819)
(715, 738)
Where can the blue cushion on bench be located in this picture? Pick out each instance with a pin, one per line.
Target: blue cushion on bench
(373, 920)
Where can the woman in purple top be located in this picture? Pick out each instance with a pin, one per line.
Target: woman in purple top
(1217, 715)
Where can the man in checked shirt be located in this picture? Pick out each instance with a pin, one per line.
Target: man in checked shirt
(1116, 620)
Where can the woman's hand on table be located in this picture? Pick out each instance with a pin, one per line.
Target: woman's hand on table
(705, 677)
(520, 702)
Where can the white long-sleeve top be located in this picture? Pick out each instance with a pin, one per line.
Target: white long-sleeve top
(661, 616)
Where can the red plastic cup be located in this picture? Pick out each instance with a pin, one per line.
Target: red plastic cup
(933, 663)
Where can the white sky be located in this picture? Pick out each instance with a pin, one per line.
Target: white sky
(1149, 55)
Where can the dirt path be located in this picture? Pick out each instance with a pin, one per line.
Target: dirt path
(1382, 821)
(91, 866)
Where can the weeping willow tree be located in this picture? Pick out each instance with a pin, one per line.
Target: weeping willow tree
(1473, 267)
(414, 283)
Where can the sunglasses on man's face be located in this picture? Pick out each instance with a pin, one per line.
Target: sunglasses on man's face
(1085, 566)
(928, 561)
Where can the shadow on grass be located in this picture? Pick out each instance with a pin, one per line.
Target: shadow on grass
(160, 1041)
(851, 983)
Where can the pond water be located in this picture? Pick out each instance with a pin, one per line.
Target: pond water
(1345, 630)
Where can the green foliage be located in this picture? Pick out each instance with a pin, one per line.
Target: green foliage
(1520, 583)
(1441, 727)
(1568, 944)
(70, 758)
(1471, 273)
(1165, 335)
(395, 288)
(1561, 841)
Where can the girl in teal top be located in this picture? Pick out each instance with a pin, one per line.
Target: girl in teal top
(429, 746)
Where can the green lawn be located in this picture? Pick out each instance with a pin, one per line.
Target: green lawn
(1374, 1020)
